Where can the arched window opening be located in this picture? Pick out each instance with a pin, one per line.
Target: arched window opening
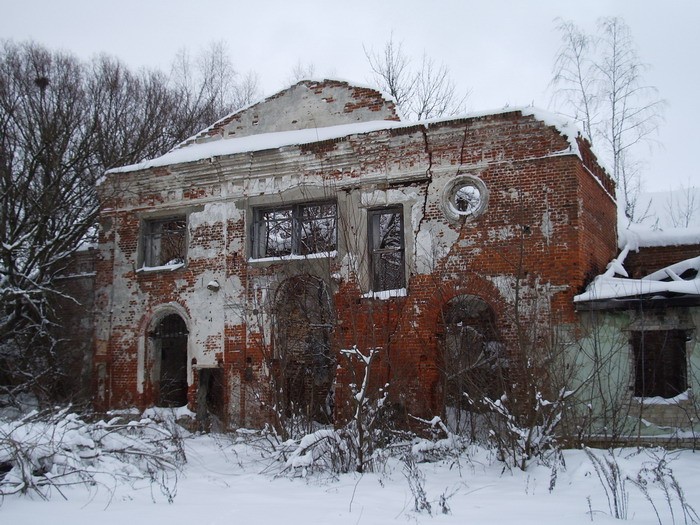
(472, 356)
(170, 344)
(303, 323)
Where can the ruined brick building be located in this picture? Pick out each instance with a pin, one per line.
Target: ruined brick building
(233, 270)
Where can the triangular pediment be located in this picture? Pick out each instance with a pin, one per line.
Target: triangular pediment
(307, 104)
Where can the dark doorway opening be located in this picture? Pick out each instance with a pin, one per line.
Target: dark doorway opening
(303, 325)
(471, 357)
(170, 340)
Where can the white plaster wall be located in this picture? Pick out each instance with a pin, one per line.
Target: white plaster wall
(301, 107)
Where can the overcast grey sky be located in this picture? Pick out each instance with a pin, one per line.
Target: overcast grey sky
(501, 50)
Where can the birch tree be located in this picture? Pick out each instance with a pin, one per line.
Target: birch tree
(599, 81)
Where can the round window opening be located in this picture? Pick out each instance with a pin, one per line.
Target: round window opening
(467, 196)
(466, 199)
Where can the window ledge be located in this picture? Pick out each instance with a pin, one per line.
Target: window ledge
(295, 257)
(386, 294)
(658, 400)
(164, 268)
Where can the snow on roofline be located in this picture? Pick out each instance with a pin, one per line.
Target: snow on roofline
(637, 236)
(217, 148)
(620, 288)
(614, 284)
(198, 151)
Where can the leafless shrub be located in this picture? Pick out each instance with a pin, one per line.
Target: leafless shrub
(48, 451)
(613, 481)
(657, 473)
(518, 440)
(416, 482)
(355, 447)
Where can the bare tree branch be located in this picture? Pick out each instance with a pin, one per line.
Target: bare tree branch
(62, 123)
(421, 93)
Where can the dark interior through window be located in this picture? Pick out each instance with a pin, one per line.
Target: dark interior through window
(386, 246)
(660, 363)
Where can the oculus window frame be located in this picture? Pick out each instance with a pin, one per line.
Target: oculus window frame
(464, 197)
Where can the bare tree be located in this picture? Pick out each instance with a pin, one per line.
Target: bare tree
(47, 176)
(422, 93)
(301, 71)
(600, 80)
(575, 74)
(682, 206)
(133, 114)
(247, 90)
(391, 72)
(435, 92)
(62, 123)
(207, 87)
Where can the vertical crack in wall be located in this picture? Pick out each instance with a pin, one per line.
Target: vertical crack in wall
(464, 143)
(462, 222)
(428, 173)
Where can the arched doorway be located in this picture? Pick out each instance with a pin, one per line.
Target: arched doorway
(169, 340)
(471, 356)
(302, 323)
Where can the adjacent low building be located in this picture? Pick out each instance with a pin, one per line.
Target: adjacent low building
(639, 338)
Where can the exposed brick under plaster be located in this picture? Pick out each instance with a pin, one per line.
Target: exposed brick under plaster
(550, 221)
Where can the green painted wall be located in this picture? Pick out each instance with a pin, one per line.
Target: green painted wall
(600, 360)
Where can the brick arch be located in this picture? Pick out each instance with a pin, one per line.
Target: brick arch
(471, 284)
(158, 312)
(442, 293)
(303, 319)
(148, 357)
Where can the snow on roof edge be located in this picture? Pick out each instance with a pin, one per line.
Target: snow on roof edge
(637, 236)
(603, 288)
(198, 151)
(609, 286)
(251, 143)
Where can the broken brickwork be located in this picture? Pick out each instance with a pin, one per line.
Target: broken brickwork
(315, 221)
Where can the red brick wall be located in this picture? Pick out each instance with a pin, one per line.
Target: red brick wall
(550, 221)
(650, 259)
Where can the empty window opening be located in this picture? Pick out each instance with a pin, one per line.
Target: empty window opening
(660, 364)
(302, 229)
(303, 324)
(170, 342)
(386, 247)
(165, 242)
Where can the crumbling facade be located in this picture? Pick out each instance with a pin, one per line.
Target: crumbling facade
(233, 270)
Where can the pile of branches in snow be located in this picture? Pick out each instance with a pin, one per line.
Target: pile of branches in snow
(336, 450)
(43, 453)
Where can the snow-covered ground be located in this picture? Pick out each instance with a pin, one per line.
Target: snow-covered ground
(231, 479)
